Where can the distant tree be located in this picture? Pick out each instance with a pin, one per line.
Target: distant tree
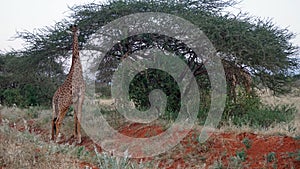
(27, 80)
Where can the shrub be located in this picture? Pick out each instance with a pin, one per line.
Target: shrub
(12, 96)
(266, 116)
(250, 111)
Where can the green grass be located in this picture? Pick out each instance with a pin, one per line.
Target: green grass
(241, 155)
(271, 157)
(247, 142)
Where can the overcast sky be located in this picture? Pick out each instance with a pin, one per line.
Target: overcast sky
(18, 15)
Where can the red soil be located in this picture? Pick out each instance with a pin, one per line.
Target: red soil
(219, 147)
(223, 146)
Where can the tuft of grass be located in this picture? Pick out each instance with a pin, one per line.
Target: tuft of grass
(235, 162)
(247, 142)
(218, 165)
(298, 156)
(241, 155)
(295, 155)
(32, 113)
(271, 157)
(107, 160)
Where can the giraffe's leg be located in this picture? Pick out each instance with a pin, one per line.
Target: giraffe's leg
(53, 133)
(78, 117)
(75, 120)
(76, 126)
(57, 127)
(59, 121)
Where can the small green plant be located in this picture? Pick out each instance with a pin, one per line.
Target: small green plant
(79, 151)
(235, 162)
(291, 128)
(241, 155)
(297, 137)
(108, 161)
(271, 157)
(247, 142)
(70, 111)
(295, 155)
(298, 156)
(33, 112)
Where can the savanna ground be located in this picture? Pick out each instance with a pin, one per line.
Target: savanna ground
(25, 133)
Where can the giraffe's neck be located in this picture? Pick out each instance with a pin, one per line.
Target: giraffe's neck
(76, 68)
(75, 48)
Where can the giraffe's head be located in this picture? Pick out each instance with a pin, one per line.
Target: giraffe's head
(73, 30)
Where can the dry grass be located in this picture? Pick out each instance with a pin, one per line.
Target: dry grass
(292, 98)
(31, 150)
(291, 129)
(23, 150)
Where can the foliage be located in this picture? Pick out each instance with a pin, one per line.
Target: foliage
(149, 80)
(247, 142)
(271, 157)
(25, 82)
(241, 155)
(103, 91)
(109, 160)
(12, 96)
(258, 45)
(265, 116)
(242, 106)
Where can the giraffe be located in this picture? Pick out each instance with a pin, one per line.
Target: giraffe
(71, 92)
(236, 75)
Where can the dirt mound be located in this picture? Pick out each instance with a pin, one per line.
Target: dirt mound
(139, 130)
(248, 149)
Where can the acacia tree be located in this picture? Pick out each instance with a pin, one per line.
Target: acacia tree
(247, 42)
(257, 45)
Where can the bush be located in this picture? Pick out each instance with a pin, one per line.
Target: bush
(249, 110)
(252, 112)
(265, 116)
(104, 91)
(30, 94)
(149, 80)
(12, 96)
